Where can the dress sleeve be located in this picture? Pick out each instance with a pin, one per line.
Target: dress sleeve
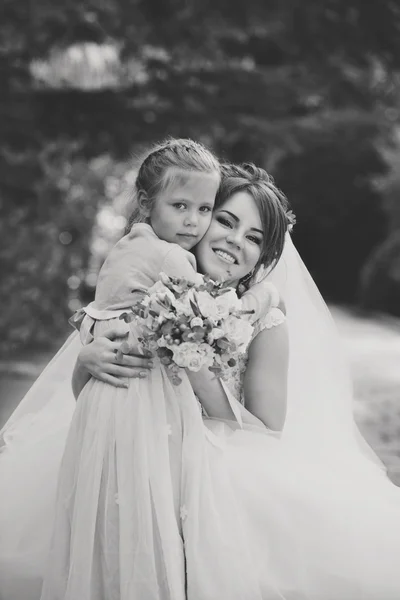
(180, 263)
(274, 317)
(259, 299)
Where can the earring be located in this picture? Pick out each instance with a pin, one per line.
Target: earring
(244, 282)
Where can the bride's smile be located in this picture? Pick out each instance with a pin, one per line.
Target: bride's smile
(232, 246)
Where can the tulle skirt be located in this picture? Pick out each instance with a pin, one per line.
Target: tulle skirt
(323, 530)
(155, 503)
(136, 464)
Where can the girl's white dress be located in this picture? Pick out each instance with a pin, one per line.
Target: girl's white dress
(157, 502)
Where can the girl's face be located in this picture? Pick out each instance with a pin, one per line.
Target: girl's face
(232, 245)
(182, 211)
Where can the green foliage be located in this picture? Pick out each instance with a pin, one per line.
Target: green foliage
(379, 288)
(339, 214)
(380, 280)
(44, 243)
(300, 86)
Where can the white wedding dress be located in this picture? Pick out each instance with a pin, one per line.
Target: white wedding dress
(246, 513)
(316, 527)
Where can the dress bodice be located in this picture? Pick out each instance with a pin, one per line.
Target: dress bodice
(233, 377)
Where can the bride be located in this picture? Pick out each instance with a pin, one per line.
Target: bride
(320, 518)
(305, 514)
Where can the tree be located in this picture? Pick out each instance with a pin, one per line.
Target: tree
(263, 81)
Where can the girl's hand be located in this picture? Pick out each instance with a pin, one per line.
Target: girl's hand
(99, 358)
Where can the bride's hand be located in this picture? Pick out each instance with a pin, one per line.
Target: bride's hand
(99, 358)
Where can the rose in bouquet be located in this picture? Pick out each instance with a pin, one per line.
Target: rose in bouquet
(188, 325)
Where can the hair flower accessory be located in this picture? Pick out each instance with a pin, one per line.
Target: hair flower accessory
(291, 219)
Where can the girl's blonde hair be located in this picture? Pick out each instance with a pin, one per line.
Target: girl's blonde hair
(153, 176)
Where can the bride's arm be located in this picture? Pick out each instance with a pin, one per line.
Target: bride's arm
(97, 359)
(214, 400)
(265, 380)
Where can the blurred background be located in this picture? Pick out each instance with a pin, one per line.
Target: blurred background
(309, 89)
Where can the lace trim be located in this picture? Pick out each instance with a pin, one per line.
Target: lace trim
(274, 318)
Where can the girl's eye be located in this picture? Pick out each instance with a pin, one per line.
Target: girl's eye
(179, 205)
(205, 209)
(224, 222)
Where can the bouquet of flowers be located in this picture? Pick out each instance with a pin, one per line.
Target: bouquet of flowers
(188, 325)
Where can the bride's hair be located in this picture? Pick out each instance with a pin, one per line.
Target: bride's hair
(272, 205)
(153, 176)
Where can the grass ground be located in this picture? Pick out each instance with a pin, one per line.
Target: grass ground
(373, 347)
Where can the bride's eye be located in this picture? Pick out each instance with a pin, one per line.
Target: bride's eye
(225, 222)
(254, 239)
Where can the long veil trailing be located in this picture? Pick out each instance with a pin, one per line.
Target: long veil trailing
(31, 448)
(320, 392)
(55, 377)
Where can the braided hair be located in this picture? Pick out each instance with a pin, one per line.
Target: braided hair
(154, 174)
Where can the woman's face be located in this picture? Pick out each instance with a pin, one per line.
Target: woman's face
(232, 245)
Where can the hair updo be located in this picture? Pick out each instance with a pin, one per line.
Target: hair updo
(272, 205)
(153, 176)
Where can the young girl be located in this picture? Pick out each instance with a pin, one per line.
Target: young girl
(119, 510)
